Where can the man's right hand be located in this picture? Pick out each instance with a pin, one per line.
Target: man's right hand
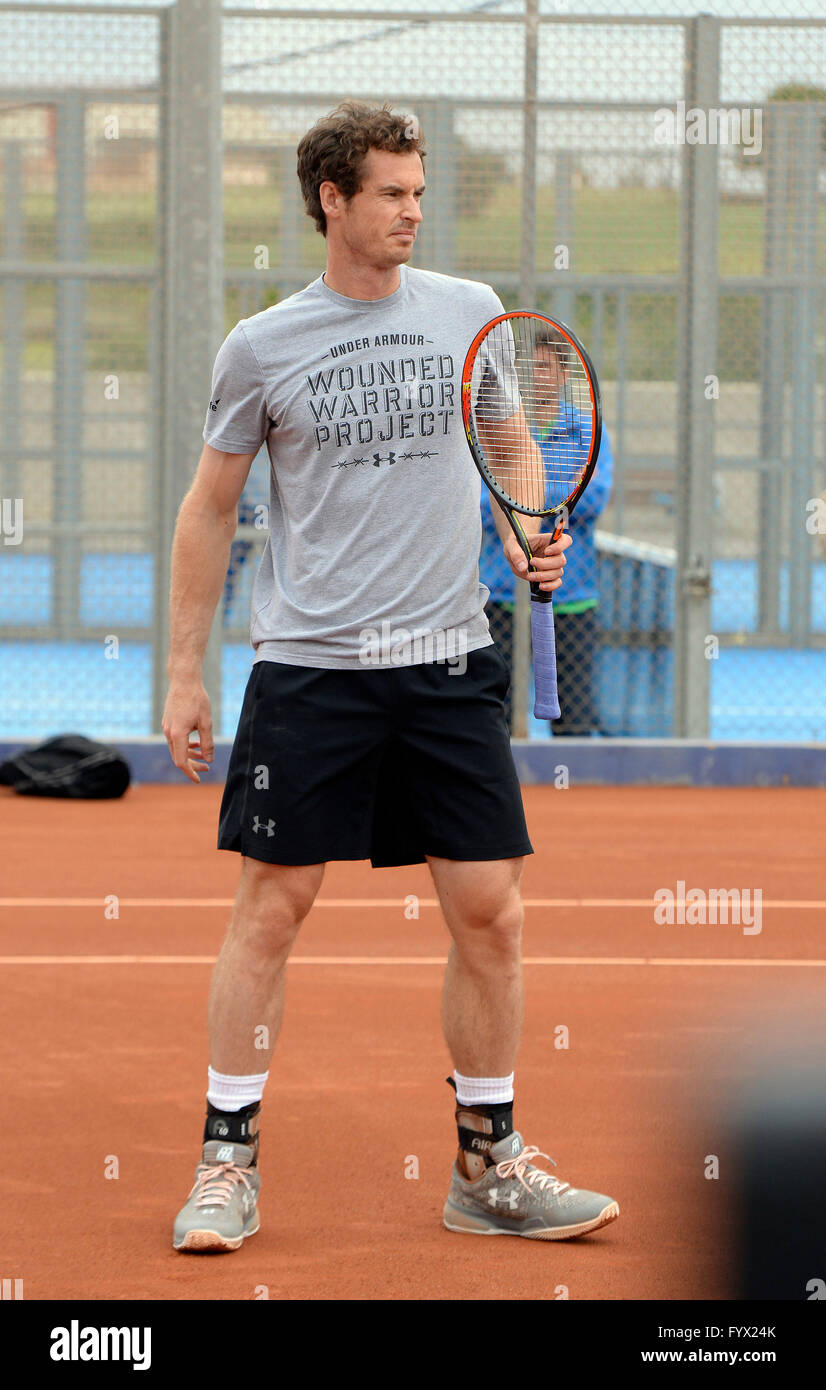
(549, 559)
(187, 708)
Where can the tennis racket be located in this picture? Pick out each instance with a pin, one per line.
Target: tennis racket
(532, 414)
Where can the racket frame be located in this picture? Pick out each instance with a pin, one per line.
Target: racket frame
(562, 510)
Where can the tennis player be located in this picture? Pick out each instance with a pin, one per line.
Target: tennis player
(373, 722)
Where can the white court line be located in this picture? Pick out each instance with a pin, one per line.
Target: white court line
(403, 960)
(789, 903)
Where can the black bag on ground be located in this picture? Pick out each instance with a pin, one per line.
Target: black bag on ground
(68, 766)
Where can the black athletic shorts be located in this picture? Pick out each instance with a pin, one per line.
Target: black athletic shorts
(388, 764)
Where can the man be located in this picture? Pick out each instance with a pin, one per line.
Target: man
(558, 427)
(343, 751)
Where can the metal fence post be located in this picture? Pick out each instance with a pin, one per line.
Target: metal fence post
(290, 224)
(442, 215)
(69, 365)
(773, 353)
(527, 295)
(13, 316)
(191, 251)
(806, 130)
(564, 231)
(698, 341)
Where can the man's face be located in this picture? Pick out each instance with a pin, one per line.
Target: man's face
(380, 222)
(549, 378)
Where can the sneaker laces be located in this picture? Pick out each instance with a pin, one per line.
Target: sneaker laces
(214, 1181)
(518, 1168)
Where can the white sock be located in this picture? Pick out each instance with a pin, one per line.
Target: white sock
(234, 1092)
(483, 1090)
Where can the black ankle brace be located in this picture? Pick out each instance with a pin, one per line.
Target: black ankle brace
(481, 1126)
(234, 1125)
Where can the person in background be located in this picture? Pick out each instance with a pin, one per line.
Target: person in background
(252, 511)
(575, 610)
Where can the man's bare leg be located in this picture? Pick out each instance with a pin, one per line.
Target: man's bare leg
(495, 1187)
(482, 1004)
(246, 996)
(247, 986)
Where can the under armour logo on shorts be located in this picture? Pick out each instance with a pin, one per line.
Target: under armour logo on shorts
(269, 827)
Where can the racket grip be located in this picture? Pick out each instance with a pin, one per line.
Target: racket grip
(546, 704)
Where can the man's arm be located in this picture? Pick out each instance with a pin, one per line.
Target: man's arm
(512, 437)
(200, 558)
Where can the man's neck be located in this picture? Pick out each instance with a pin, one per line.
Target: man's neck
(361, 282)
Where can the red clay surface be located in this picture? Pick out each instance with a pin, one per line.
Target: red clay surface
(109, 1059)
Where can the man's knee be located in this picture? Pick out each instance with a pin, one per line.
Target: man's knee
(499, 924)
(272, 902)
(488, 911)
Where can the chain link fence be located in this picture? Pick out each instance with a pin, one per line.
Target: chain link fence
(656, 179)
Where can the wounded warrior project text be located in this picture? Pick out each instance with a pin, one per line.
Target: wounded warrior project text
(400, 398)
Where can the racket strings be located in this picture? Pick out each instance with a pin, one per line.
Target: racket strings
(533, 411)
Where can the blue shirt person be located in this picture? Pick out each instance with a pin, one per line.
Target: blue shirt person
(576, 602)
(252, 503)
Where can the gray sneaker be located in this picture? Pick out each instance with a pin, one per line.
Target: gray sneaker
(512, 1197)
(222, 1208)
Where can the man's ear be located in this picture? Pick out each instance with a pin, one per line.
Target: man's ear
(330, 198)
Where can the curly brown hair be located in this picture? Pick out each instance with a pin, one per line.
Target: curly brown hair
(335, 148)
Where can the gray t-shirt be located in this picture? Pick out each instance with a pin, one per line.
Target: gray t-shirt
(375, 521)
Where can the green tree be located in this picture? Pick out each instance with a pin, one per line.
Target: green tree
(791, 92)
(479, 172)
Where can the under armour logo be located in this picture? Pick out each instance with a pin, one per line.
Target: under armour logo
(379, 459)
(510, 1199)
(213, 405)
(269, 827)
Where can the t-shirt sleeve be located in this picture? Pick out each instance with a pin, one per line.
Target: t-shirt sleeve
(493, 305)
(495, 384)
(237, 418)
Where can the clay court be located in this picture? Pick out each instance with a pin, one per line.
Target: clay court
(105, 1057)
